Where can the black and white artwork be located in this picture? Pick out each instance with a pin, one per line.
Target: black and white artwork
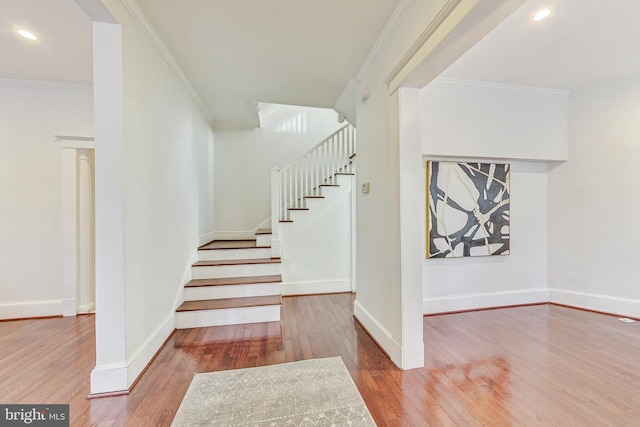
(468, 209)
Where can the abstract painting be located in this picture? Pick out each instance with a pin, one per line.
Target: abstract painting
(467, 209)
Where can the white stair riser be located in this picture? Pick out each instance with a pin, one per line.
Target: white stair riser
(263, 240)
(231, 291)
(241, 270)
(313, 203)
(227, 254)
(228, 316)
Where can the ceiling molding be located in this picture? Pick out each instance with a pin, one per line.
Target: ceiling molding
(452, 9)
(398, 15)
(607, 86)
(54, 85)
(141, 20)
(459, 83)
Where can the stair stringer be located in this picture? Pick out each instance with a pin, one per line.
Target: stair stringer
(317, 247)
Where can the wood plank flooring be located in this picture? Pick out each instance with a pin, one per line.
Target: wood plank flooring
(527, 366)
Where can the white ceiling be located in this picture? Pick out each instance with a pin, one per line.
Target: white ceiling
(300, 52)
(63, 52)
(582, 43)
(304, 52)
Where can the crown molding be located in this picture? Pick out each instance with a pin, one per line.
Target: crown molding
(608, 85)
(398, 15)
(448, 10)
(147, 28)
(460, 83)
(54, 85)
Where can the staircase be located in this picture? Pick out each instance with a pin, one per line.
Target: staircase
(234, 282)
(239, 281)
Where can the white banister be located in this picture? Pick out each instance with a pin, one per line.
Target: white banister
(275, 206)
(303, 178)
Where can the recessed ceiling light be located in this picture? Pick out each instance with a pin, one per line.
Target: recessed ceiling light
(541, 14)
(27, 35)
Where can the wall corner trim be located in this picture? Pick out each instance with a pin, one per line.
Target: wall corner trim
(147, 28)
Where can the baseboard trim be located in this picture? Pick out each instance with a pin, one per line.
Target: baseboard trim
(380, 335)
(110, 378)
(146, 352)
(498, 307)
(30, 309)
(87, 309)
(206, 238)
(479, 301)
(69, 307)
(606, 304)
(316, 287)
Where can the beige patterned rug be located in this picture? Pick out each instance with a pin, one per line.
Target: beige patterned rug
(316, 392)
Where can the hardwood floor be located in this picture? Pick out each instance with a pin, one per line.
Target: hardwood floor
(527, 366)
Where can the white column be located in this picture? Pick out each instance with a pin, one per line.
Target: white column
(86, 233)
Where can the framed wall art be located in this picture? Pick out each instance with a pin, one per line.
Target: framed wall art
(467, 209)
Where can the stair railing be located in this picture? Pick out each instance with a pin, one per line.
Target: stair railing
(303, 178)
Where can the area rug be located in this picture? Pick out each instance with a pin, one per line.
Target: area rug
(316, 392)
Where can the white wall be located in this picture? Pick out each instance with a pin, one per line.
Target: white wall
(317, 246)
(463, 120)
(518, 278)
(477, 119)
(594, 203)
(31, 113)
(244, 158)
(164, 158)
(388, 299)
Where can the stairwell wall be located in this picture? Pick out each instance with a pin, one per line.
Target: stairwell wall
(243, 162)
(166, 158)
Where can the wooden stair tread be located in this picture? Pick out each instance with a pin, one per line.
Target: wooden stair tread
(329, 185)
(237, 262)
(298, 209)
(276, 278)
(264, 231)
(219, 304)
(230, 244)
(314, 197)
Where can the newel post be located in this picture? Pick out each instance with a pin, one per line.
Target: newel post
(275, 212)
